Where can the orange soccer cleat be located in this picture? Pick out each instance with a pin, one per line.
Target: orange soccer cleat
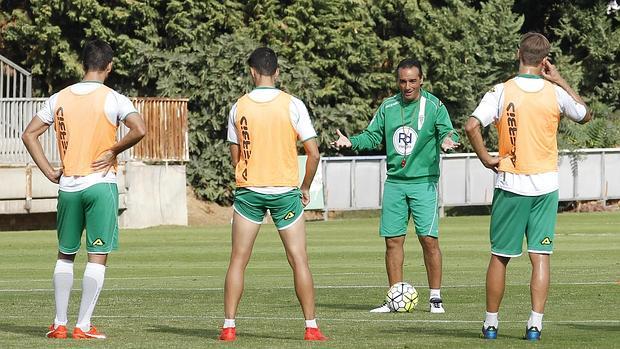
(314, 334)
(59, 332)
(228, 334)
(91, 334)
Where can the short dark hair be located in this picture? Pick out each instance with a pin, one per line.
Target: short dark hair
(409, 63)
(264, 61)
(533, 48)
(96, 55)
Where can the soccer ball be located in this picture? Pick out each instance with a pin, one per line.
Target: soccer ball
(402, 297)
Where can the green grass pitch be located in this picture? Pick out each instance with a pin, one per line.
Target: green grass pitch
(163, 289)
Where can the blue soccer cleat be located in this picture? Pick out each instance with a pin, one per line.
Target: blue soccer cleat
(489, 332)
(532, 333)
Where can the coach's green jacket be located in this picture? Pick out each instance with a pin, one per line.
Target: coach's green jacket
(411, 139)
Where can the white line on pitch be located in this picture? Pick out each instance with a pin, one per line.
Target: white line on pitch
(291, 287)
(179, 277)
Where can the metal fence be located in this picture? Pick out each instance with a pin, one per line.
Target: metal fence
(165, 118)
(14, 80)
(356, 183)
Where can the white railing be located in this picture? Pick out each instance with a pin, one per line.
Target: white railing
(15, 114)
(15, 81)
(356, 183)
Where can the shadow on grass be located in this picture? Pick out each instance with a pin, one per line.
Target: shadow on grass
(184, 331)
(593, 327)
(33, 331)
(342, 306)
(213, 334)
(444, 332)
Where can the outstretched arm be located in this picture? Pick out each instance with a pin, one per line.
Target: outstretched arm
(447, 136)
(341, 142)
(31, 135)
(312, 163)
(370, 138)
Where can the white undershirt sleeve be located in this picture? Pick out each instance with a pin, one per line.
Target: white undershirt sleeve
(300, 118)
(118, 107)
(569, 107)
(232, 131)
(488, 111)
(46, 113)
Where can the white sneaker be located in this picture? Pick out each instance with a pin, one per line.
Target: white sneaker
(383, 308)
(436, 306)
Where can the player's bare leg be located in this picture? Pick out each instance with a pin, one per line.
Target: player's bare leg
(294, 240)
(496, 282)
(539, 283)
(432, 260)
(433, 264)
(244, 234)
(394, 258)
(539, 289)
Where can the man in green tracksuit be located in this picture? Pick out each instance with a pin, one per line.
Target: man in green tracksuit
(414, 125)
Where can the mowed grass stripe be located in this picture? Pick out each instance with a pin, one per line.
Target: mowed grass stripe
(164, 288)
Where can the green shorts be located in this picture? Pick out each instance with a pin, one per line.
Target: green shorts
(95, 208)
(514, 215)
(399, 199)
(285, 208)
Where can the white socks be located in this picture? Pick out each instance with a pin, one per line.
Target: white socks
(92, 283)
(435, 293)
(491, 320)
(311, 324)
(535, 320)
(229, 323)
(63, 283)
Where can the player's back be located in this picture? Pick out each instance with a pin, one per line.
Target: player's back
(268, 142)
(83, 130)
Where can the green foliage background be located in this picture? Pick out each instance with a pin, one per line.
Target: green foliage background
(337, 56)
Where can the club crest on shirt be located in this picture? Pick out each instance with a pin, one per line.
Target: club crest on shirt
(404, 139)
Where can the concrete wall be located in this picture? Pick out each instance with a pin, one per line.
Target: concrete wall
(155, 195)
(149, 195)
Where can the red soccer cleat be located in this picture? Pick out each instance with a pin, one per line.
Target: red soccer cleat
(314, 334)
(228, 334)
(91, 334)
(59, 332)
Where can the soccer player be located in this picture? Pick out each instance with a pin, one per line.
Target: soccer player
(85, 116)
(263, 128)
(414, 125)
(526, 111)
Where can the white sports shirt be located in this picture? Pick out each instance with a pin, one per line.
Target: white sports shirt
(300, 119)
(489, 110)
(117, 108)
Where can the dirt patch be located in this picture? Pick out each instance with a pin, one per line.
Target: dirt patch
(206, 213)
(202, 213)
